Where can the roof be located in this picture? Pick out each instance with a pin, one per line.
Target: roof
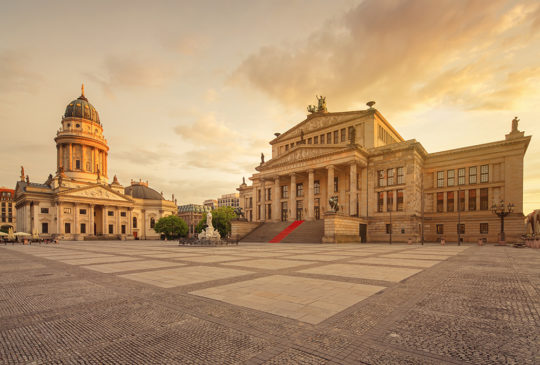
(81, 108)
(195, 208)
(143, 192)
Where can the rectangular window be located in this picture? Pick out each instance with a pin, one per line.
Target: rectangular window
(484, 199)
(343, 133)
(258, 195)
(388, 228)
(78, 164)
(111, 229)
(309, 141)
(67, 227)
(83, 228)
(286, 147)
(400, 177)
(400, 200)
(67, 210)
(316, 187)
(269, 194)
(44, 227)
(268, 211)
(110, 213)
(460, 228)
(450, 176)
(440, 228)
(440, 179)
(349, 133)
(322, 138)
(461, 176)
(450, 201)
(82, 211)
(45, 210)
(472, 199)
(461, 200)
(123, 229)
(472, 175)
(440, 202)
(284, 191)
(251, 202)
(299, 190)
(484, 228)
(484, 173)
(316, 140)
(122, 214)
(390, 175)
(336, 137)
(329, 138)
(336, 184)
(389, 201)
(380, 201)
(380, 178)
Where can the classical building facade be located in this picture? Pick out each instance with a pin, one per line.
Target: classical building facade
(8, 218)
(78, 202)
(385, 185)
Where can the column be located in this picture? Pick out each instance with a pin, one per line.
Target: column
(311, 196)
(83, 161)
(276, 214)
(70, 154)
(292, 199)
(90, 229)
(143, 227)
(353, 197)
(364, 193)
(263, 201)
(130, 222)
(118, 228)
(330, 185)
(105, 155)
(104, 215)
(58, 159)
(76, 228)
(58, 217)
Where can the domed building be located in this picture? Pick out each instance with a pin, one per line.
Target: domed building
(77, 202)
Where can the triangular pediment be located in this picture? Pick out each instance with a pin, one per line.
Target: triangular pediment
(302, 153)
(96, 192)
(320, 121)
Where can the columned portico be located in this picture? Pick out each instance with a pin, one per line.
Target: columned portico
(330, 183)
(276, 216)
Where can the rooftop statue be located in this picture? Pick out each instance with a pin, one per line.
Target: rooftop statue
(22, 173)
(262, 158)
(515, 122)
(321, 105)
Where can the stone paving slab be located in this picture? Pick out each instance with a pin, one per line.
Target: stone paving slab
(269, 264)
(308, 300)
(318, 257)
(213, 258)
(129, 266)
(395, 262)
(417, 256)
(364, 272)
(171, 278)
(98, 260)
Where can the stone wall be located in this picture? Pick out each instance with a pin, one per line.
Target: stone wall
(340, 228)
(240, 229)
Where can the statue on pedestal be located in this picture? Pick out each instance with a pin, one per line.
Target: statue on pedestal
(515, 122)
(209, 233)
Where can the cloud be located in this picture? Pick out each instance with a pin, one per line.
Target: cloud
(132, 71)
(207, 130)
(187, 44)
(403, 54)
(16, 74)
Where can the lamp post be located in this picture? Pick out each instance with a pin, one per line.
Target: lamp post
(502, 210)
(390, 211)
(459, 217)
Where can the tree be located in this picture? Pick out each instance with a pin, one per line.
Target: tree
(5, 228)
(221, 220)
(171, 226)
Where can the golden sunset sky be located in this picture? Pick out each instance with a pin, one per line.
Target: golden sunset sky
(190, 93)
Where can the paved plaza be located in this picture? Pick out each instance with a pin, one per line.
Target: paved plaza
(153, 302)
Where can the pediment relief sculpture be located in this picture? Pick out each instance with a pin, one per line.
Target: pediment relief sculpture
(97, 193)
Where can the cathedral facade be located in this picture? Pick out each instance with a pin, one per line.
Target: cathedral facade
(78, 202)
(385, 187)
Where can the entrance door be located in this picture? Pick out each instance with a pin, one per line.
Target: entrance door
(284, 211)
(299, 209)
(363, 232)
(317, 213)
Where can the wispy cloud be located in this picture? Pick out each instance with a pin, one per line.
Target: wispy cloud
(16, 74)
(405, 53)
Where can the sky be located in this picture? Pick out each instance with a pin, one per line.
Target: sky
(190, 92)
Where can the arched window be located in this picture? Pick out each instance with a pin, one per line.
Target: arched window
(134, 222)
(152, 222)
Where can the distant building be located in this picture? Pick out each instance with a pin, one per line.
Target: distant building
(78, 202)
(192, 214)
(212, 203)
(8, 218)
(229, 200)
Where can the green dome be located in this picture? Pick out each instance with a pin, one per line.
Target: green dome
(81, 108)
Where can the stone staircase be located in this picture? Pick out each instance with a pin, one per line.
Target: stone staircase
(307, 232)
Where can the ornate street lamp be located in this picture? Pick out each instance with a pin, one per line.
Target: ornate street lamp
(502, 210)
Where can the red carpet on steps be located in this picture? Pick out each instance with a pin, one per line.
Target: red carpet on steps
(281, 235)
